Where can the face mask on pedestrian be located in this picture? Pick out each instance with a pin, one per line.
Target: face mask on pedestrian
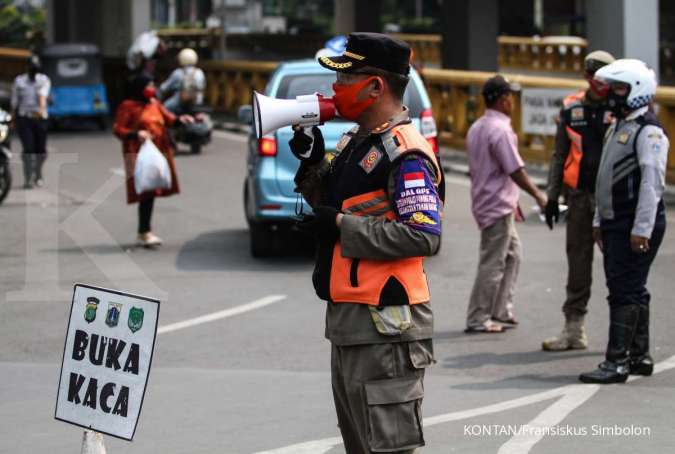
(347, 100)
(149, 92)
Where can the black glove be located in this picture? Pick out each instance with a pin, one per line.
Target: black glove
(552, 212)
(321, 225)
(308, 145)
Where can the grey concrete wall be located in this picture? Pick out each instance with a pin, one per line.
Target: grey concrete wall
(470, 34)
(110, 24)
(625, 28)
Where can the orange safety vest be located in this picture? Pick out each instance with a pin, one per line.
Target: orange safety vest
(573, 161)
(362, 280)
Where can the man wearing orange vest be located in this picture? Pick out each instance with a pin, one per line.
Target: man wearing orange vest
(584, 119)
(377, 213)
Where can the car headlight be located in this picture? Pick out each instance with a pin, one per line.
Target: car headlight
(4, 131)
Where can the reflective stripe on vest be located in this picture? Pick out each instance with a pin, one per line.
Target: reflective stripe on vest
(573, 161)
(362, 280)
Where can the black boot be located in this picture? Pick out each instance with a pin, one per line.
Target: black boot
(622, 323)
(28, 167)
(641, 362)
(40, 159)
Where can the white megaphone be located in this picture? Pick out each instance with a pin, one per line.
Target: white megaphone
(270, 114)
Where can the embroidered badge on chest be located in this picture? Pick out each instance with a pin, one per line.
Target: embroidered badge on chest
(577, 113)
(370, 160)
(623, 138)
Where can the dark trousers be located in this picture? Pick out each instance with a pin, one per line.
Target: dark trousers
(145, 214)
(33, 135)
(626, 271)
(579, 246)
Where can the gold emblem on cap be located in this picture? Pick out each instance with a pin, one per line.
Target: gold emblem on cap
(353, 55)
(330, 63)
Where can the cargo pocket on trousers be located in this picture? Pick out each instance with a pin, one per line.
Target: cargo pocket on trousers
(421, 353)
(394, 414)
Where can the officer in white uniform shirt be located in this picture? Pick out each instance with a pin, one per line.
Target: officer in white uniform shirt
(630, 216)
(29, 106)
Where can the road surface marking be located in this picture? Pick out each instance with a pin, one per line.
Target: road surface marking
(571, 397)
(237, 137)
(257, 304)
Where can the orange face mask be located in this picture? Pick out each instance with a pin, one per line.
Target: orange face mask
(346, 98)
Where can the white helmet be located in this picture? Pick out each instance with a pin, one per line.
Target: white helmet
(187, 57)
(636, 74)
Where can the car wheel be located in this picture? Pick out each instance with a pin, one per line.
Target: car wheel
(263, 240)
(195, 148)
(102, 123)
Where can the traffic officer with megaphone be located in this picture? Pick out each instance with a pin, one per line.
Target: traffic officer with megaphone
(377, 214)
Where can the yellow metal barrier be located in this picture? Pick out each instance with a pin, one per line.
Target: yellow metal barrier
(426, 48)
(456, 100)
(551, 53)
(12, 62)
(230, 83)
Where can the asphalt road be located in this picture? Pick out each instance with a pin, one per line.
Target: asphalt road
(259, 381)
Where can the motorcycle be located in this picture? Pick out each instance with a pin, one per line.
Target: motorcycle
(196, 134)
(5, 154)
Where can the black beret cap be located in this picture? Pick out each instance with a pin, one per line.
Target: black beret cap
(371, 49)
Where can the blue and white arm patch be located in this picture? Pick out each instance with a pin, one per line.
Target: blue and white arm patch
(416, 200)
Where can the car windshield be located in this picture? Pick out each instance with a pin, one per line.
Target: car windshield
(305, 84)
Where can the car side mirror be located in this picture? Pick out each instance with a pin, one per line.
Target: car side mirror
(245, 114)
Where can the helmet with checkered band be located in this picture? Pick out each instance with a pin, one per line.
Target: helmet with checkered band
(635, 74)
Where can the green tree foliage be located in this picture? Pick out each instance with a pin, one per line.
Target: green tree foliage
(19, 25)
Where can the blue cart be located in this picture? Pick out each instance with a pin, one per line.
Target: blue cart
(77, 90)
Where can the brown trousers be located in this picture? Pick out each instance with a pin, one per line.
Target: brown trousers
(492, 294)
(378, 391)
(579, 245)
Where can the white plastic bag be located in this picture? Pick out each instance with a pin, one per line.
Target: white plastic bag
(152, 169)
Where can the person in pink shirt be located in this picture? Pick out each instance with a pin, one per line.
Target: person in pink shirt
(497, 173)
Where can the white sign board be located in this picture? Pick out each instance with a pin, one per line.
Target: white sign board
(106, 360)
(540, 108)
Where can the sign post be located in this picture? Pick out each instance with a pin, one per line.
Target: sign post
(106, 360)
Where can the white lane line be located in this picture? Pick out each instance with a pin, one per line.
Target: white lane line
(524, 441)
(572, 396)
(237, 137)
(253, 305)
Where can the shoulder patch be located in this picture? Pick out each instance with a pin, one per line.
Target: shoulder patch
(416, 199)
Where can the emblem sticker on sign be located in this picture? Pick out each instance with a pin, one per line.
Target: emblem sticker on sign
(90, 309)
(135, 319)
(113, 314)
